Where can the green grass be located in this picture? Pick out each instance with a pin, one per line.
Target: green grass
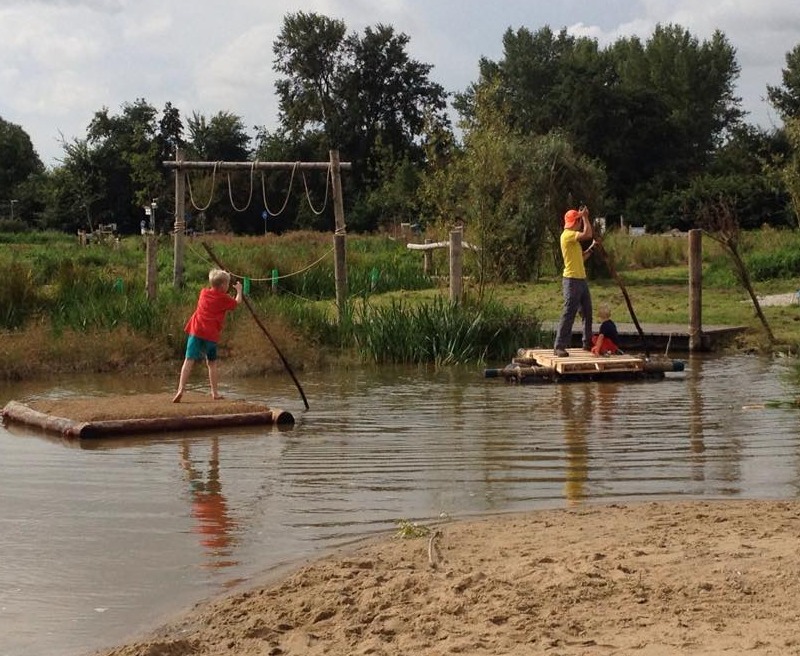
(56, 291)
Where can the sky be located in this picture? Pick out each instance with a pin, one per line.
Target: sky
(63, 60)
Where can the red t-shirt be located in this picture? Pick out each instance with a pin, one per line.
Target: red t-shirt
(206, 322)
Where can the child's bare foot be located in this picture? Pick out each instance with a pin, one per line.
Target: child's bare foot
(177, 397)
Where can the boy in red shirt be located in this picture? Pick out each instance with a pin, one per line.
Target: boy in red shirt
(205, 326)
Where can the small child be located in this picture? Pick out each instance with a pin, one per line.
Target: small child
(605, 342)
(204, 328)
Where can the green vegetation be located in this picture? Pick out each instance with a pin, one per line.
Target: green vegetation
(72, 308)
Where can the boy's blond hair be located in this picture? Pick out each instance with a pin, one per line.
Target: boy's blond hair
(219, 278)
(603, 312)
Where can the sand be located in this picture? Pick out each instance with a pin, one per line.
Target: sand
(716, 577)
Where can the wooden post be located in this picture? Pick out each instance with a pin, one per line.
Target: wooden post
(180, 225)
(339, 246)
(427, 260)
(456, 257)
(151, 278)
(695, 290)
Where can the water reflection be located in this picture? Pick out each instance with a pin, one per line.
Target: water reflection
(576, 409)
(213, 524)
(100, 538)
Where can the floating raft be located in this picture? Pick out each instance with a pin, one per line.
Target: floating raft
(535, 365)
(142, 413)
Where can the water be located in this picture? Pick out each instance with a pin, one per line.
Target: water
(103, 540)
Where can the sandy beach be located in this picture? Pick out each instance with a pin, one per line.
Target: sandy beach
(716, 577)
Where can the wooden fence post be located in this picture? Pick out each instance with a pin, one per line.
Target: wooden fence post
(339, 245)
(151, 278)
(180, 209)
(456, 258)
(427, 260)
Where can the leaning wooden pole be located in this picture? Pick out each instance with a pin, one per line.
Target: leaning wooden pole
(261, 325)
(600, 249)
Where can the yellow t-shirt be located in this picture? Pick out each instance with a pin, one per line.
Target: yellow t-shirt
(573, 255)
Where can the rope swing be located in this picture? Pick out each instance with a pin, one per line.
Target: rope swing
(253, 165)
(211, 195)
(250, 196)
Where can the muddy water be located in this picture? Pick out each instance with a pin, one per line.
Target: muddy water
(102, 540)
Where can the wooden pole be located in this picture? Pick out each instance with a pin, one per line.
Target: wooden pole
(339, 245)
(427, 260)
(151, 278)
(695, 290)
(456, 258)
(261, 325)
(180, 225)
(600, 248)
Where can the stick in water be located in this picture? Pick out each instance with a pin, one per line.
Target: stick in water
(598, 245)
(262, 326)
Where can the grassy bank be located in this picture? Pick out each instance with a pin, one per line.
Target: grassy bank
(70, 308)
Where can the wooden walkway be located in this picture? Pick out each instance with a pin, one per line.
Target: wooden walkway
(660, 336)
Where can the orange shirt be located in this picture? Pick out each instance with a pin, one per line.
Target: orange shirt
(209, 316)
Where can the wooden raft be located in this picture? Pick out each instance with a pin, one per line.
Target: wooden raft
(143, 413)
(579, 361)
(543, 364)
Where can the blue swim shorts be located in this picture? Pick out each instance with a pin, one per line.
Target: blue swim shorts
(197, 349)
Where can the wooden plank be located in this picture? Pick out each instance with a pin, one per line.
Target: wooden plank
(582, 362)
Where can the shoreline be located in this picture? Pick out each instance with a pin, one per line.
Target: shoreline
(660, 577)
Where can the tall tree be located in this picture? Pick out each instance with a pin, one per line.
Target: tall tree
(786, 98)
(510, 188)
(362, 92)
(117, 169)
(222, 201)
(19, 164)
(223, 137)
(652, 112)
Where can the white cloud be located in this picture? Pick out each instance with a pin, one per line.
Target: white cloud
(63, 60)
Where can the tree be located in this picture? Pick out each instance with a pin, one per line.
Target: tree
(20, 167)
(223, 137)
(226, 200)
(18, 159)
(786, 98)
(117, 169)
(791, 169)
(510, 188)
(363, 93)
(77, 189)
(652, 113)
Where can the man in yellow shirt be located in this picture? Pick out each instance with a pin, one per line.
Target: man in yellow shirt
(577, 228)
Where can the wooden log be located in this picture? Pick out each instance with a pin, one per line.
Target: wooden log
(19, 412)
(433, 245)
(15, 411)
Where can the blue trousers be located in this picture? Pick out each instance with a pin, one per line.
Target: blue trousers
(576, 296)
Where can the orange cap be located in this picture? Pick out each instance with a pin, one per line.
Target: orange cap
(571, 218)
